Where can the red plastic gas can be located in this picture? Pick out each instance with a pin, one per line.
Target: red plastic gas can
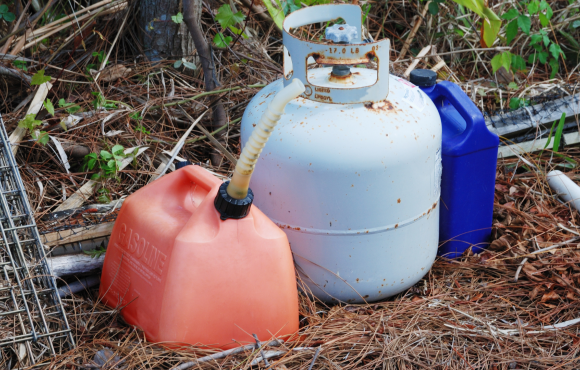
(183, 275)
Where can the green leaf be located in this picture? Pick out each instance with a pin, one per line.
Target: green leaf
(518, 63)
(3, 8)
(95, 176)
(237, 31)
(106, 155)
(290, 6)
(189, 65)
(533, 7)
(136, 116)
(525, 23)
(543, 20)
(39, 78)
(544, 5)
(501, 60)
(558, 134)
(117, 149)
(112, 164)
(513, 86)
(534, 39)
(433, 8)
(476, 6)
(515, 103)
(576, 24)
(20, 64)
(549, 12)
(227, 18)
(555, 65)
(510, 14)
(91, 164)
(276, 13)
(29, 122)
(222, 41)
(543, 57)
(555, 50)
(491, 26)
(49, 107)
(63, 125)
(9, 17)
(177, 63)
(511, 31)
(43, 137)
(178, 18)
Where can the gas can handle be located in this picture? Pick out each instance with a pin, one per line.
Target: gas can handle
(474, 120)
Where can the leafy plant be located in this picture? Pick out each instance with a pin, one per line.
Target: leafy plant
(178, 18)
(20, 64)
(190, 65)
(48, 106)
(30, 123)
(101, 102)
(491, 22)
(5, 14)
(71, 108)
(107, 163)
(100, 56)
(227, 19)
(97, 252)
(39, 78)
(434, 6)
(516, 103)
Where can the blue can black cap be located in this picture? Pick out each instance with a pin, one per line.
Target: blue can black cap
(423, 77)
(229, 207)
(182, 164)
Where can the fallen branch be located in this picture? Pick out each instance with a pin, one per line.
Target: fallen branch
(217, 356)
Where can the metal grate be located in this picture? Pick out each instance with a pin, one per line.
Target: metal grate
(33, 323)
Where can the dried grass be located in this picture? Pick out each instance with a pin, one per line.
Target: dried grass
(465, 314)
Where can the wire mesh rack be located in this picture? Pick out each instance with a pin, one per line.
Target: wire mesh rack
(33, 322)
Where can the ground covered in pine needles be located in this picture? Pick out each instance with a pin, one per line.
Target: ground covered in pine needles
(514, 306)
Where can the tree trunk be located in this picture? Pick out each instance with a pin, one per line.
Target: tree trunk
(163, 38)
(205, 55)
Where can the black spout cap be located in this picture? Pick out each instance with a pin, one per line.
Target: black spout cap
(423, 77)
(229, 207)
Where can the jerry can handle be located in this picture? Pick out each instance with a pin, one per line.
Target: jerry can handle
(462, 103)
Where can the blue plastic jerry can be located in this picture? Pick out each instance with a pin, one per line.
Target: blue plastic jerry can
(469, 159)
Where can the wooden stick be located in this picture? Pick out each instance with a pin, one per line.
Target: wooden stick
(422, 53)
(217, 356)
(77, 234)
(9, 41)
(74, 264)
(418, 22)
(35, 106)
(160, 171)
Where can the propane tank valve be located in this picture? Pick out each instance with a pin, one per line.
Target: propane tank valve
(341, 34)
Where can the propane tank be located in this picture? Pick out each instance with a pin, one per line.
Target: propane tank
(352, 171)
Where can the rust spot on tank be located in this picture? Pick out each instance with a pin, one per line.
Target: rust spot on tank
(357, 279)
(253, 125)
(397, 225)
(343, 80)
(399, 200)
(381, 106)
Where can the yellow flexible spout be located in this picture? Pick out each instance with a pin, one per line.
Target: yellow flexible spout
(238, 187)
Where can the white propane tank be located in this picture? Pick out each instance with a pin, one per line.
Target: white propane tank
(352, 171)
